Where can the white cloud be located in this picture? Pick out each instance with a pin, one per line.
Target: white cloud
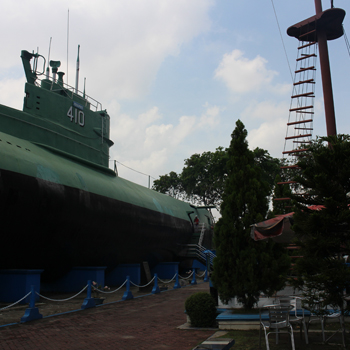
(281, 89)
(146, 144)
(145, 33)
(7, 88)
(270, 136)
(266, 110)
(211, 117)
(267, 123)
(242, 75)
(123, 43)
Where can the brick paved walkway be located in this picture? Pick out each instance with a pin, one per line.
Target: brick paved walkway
(142, 323)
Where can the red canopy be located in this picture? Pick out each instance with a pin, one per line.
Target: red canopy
(277, 228)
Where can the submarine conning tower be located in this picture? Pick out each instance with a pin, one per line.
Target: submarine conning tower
(60, 118)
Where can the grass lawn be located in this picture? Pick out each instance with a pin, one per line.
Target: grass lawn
(249, 340)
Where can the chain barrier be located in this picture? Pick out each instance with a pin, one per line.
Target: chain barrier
(200, 276)
(166, 282)
(87, 300)
(41, 296)
(144, 285)
(110, 292)
(188, 277)
(18, 301)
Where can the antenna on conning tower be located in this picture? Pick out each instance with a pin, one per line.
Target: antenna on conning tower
(84, 87)
(48, 60)
(67, 42)
(77, 73)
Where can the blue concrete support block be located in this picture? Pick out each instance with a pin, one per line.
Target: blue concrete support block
(76, 279)
(127, 294)
(88, 301)
(31, 313)
(198, 265)
(194, 281)
(117, 276)
(17, 283)
(166, 270)
(155, 289)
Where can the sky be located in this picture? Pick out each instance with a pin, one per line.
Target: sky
(174, 75)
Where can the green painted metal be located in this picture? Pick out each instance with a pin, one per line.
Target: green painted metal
(57, 121)
(54, 115)
(30, 159)
(62, 138)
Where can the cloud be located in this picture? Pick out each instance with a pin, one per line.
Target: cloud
(267, 123)
(211, 117)
(270, 136)
(123, 43)
(147, 144)
(145, 33)
(242, 75)
(7, 88)
(144, 139)
(266, 110)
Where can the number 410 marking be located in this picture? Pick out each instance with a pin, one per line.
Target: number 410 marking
(79, 117)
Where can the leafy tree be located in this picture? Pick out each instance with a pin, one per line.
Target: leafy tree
(169, 184)
(245, 268)
(204, 175)
(270, 166)
(201, 181)
(324, 233)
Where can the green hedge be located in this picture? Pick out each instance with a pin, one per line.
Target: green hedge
(201, 309)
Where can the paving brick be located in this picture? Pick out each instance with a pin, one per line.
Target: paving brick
(149, 322)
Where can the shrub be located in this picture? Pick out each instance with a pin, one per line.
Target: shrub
(200, 307)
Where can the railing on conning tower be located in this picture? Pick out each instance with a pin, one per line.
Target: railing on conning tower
(56, 85)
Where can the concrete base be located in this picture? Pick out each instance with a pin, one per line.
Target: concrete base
(166, 270)
(218, 344)
(239, 325)
(88, 303)
(31, 314)
(215, 342)
(15, 284)
(118, 276)
(76, 279)
(227, 320)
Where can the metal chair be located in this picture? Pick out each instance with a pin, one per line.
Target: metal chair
(333, 315)
(278, 319)
(321, 312)
(299, 319)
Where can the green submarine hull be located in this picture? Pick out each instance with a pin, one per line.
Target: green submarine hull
(61, 206)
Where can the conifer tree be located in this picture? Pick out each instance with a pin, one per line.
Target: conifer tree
(245, 268)
(322, 221)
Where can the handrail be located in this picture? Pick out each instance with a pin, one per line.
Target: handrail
(70, 92)
(202, 252)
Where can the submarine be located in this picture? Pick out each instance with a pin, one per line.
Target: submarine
(61, 205)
